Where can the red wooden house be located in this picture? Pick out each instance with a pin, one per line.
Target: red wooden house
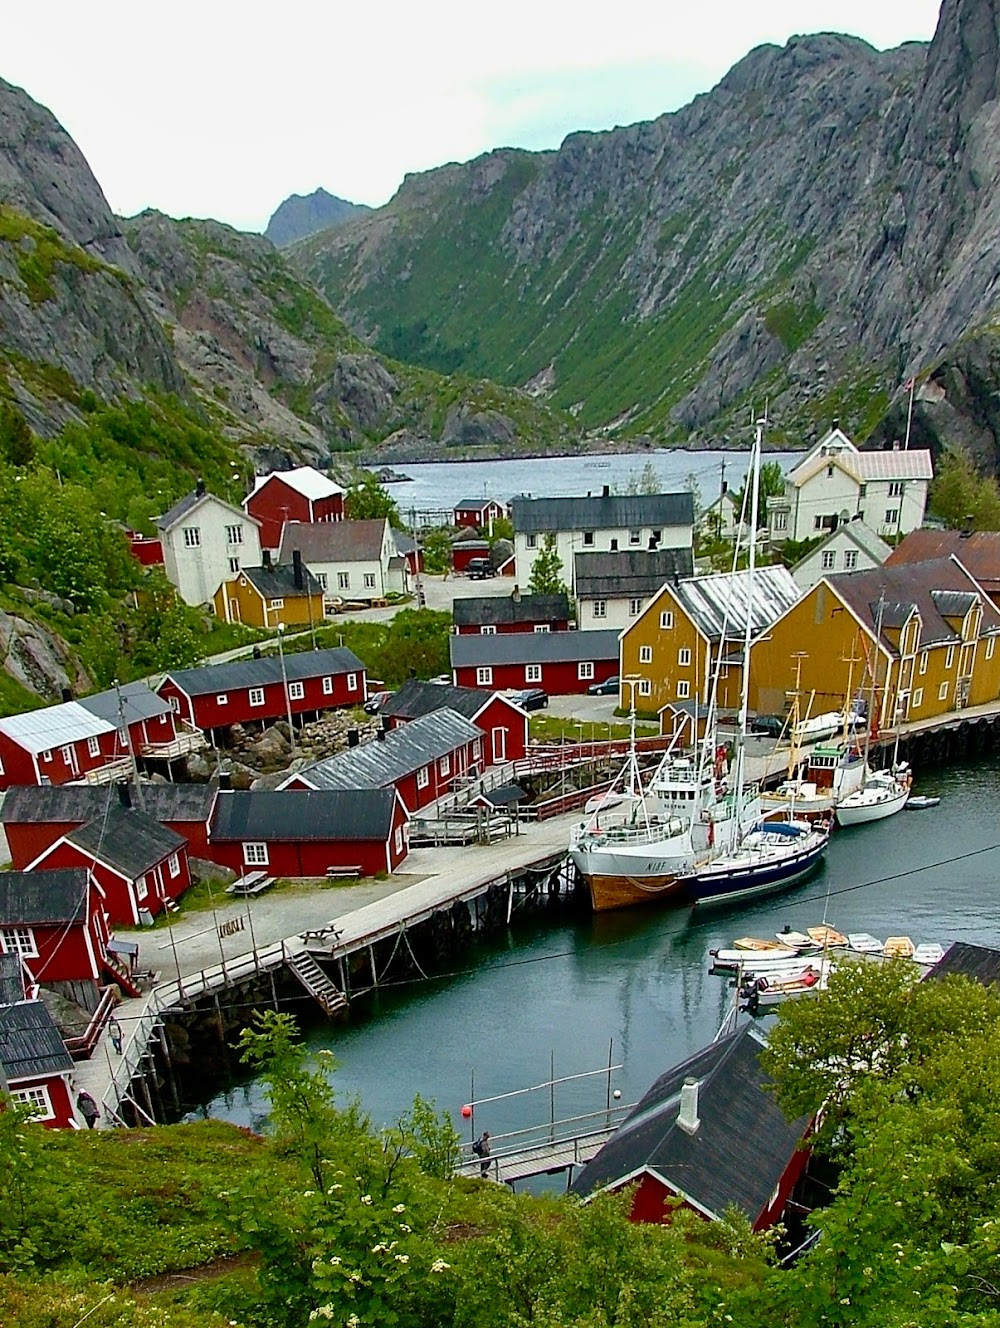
(35, 816)
(408, 548)
(140, 865)
(303, 494)
(559, 662)
(709, 1132)
(56, 922)
(146, 549)
(504, 724)
(477, 513)
(35, 1064)
(422, 760)
(463, 552)
(310, 833)
(251, 691)
(486, 615)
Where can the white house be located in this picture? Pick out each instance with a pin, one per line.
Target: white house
(612, 589)
(853, 547)
(721, 519)
(836, 482)
(350, 559)
(206, 540)
(608, 523)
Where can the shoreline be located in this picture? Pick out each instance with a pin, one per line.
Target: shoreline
(432, 457)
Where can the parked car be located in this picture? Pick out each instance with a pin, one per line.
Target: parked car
(376, 701)
(531, 698)
(479, 569)
(441, 680)
(609, 687)
(773, 726)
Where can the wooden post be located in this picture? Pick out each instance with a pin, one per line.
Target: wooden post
(371, 957)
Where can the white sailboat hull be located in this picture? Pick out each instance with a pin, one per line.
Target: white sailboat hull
(872, 804)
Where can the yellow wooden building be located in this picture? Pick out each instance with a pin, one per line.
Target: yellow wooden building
(673, 647)
(925, 632)
(272, 594)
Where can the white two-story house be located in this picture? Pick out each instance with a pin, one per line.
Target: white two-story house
(836, 483)
(607, 523)
(205, 541)
(350, 559)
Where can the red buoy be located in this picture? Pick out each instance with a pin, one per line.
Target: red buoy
(466, 1111)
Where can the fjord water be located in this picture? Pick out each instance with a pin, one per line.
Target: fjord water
(559, 990)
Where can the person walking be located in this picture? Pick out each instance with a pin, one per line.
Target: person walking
(88, 1108)
(481, 1148)
(115, 1033)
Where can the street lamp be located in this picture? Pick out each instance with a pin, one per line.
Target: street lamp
(284, 683)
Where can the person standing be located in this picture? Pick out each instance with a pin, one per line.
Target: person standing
(88, 1108)
(481, 1148)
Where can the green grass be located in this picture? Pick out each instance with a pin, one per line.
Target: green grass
(39, 251)
(550, 728)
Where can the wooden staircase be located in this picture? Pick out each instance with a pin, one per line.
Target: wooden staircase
(119, 974)
(305, 968)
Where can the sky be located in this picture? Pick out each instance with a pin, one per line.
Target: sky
(222, 109)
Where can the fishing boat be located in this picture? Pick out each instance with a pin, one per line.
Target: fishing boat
(759, 856)
(765, 991)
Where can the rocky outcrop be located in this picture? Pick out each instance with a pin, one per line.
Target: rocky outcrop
(299, 216)
(37, 659)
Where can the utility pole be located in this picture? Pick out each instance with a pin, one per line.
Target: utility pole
(722, 495)
(418, 582)
(284, 683)
(124, 728)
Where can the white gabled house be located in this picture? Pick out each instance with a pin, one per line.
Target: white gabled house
(205, 541)
(351, 559)
(852, 547)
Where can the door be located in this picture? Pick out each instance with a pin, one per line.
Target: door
(234, 610)
(499, 745)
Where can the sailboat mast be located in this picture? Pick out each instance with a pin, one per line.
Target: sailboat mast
(741, 738)
(874, 682)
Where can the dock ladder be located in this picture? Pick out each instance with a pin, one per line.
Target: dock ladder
(305, 968)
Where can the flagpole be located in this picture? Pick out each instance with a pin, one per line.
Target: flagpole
(909, 413)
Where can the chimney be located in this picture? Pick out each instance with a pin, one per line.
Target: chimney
(199, 488)
(606, 491)
(725, 487)
(687, 1117)
(67, 693)
(968, 521)
(225, 781)
(516, 595)
(835, 424)
(267, 559)
(125, 796)
(297, 569)
(353, 737)
(256, 653)
(380, 734)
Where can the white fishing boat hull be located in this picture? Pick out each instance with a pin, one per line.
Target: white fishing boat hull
(874, 802)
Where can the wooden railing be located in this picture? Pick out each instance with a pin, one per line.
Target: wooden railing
(82, 1048)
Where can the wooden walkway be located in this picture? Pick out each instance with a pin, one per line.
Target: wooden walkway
(508, 1165)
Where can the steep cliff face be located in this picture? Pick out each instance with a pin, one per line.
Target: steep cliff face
(822, 224)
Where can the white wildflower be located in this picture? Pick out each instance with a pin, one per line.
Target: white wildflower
(402, 1258)
(334, 1260)
(399, 1208)
(439, 1266)
(334, 1187)
(308, 1194)
(366, 1198)
(379, 1249)
(404, 1227)
(353, 1321)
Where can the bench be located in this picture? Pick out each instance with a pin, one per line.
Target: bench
(346, 873)
(253, 883)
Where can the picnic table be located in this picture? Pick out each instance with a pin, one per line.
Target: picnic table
(251, 883)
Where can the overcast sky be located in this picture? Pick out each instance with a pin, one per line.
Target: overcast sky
(219, 108)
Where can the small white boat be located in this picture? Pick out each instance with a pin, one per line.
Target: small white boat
(757, 944)
(863, 942)
(882, 794)
(797, 940)
(753, 961)
(767, 991)
(928, 953)
(898, 945)
(921, 802)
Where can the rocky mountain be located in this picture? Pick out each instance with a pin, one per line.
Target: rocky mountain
(820, 226)
(305, 214)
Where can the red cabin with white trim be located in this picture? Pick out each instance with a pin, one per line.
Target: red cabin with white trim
(477, 513)
(35, 1063)
(504, 724)
(562, 663)
(56, 923)
(303, 494)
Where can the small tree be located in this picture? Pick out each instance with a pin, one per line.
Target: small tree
(367, 500)
(17, 442)
(545, 578)
(961, 497)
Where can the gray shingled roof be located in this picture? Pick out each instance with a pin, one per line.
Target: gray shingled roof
(630, 572)
(11, 979)
(333, 541)
(475, 504)
(40, 898)
(30, 1043)
(910, 586)
(504, 610)
(626, 511)
(258, 672)
(127, 840)
(320, 814)
(972, 961)
(278, 581)
(738, 1154)
(417, 698)
(403, 750)
(711, 601)
(189, 502)
(37, 804)
(137, 702)
(532, 648)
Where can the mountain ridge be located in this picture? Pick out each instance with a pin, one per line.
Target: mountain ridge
(301, 215)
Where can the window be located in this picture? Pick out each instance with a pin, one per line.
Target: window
(531, 541)
(444, 765)
(635, 537)
(255, 855)
(829, 472)
(222, 699)
(781, 520)
(684, 658)
(829, 560)
(296, 691)
(477, 749)
(352, 682)
(47, 754)
(322, 578)
(275, 603)
(862, 490)
(683, 689)
(398, 839)
(917, 699)
(541, 629)
(67, 755)
(666, 621)
(234, 565)
(38, 1098)
(192, 537)
(990, 643)
(923, 661)
(645, 687)
(174, 865)
(645, 654)
(327, 686)
(585, 670)
(343, 580)
(484, 677)
(532, 673)
(634, 608)
(18, 940)
(891, 516)
(423, 777)
(949, 657)
(94, 746)
(487, 631)
(588, 539)
(850, 559)
(369, 580)
(175, 703)
(141, 888)
(600, 608)
(256, 696)
(824, 523)
(234, 534)
(943, 692)
(896, 489)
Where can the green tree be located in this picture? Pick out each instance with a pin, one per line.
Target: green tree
(545, 570)
(17, 442)
(367, 500)
(772, 485)
(503, 529)
(436, 545)
(961, 497)
(644, 481)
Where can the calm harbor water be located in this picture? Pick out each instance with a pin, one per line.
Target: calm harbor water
(562, 990)
(441, 485)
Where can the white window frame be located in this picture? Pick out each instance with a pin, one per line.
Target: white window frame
(234, 566)
(477, 749)
(667, 620)
(990, 643)
(531, 541)
(19, 941)
(600, 608)
(141, 887)
(923, 661)
(828, 560)
(585, 670)
(222, 699)
(174, 865)
(343, 580)
(255, 853)
(322, 578)
(943, 691)
(645, 654)
(192, 537)
(234, 534)
(37, 1095)
(781, 520)
(850, 560)
(635, 538)
(588, 539)
(487, 630)
(399, 839)
(484, 676)
(541, 629)
(533, 673)
(684, 657)
(634, 608)
(895, 489)
(256, 696)
(683, 689)
(917, 699)
(369, 580)
(892, 516)
(423, 777)
(444, 765)
(645, 687)
(949, 657)
(278, 603)
(352, 682)
(94, 746)
(67, 754)
(47, 755)
(296, 691)
(327, 686)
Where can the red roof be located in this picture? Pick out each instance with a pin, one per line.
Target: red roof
(978, 553)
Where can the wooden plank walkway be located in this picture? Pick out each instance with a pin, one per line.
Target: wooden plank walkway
(508, 1167)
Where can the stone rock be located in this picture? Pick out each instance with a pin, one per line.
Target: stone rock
(203, 870)
(198, 768)
(241, 776)
(36, 658)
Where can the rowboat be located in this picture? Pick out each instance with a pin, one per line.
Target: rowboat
(921, 802)
(827, 938)
(898, 945)
(767, 991)
(758, 945)
(863, 942)
(928, 953)
(754, 961)
(797, 940)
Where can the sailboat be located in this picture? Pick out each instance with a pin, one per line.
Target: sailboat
(760, 856)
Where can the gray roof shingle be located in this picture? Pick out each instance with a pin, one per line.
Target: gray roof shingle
(127, 840)
(258, 672)
(11, 979)
(38, 804)
(417, 698)
(333, 541)
(320, 814)
(627, 511)
(403, 750)
(188, 503)
(278, 581)
(138, 702)
(505, 610)
(30, 1043)
(630, 572)
(532, 648)
(41, 898)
